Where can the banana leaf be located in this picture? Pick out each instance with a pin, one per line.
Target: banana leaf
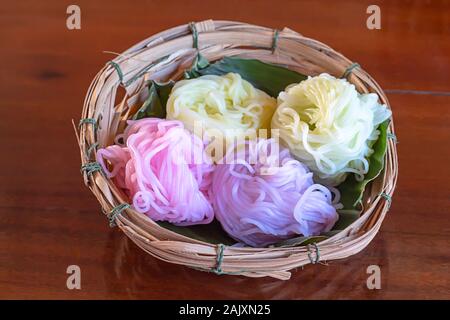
(271, 79)
(300, 241)
(351, 189)
(155, 105)
(200, 62)
(211, 233)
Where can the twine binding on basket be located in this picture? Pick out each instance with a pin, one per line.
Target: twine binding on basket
(88, 121)
(392, 136)
(387, 197)
(115, 212)
(194, 32)
(275, 40)
(316, 252)
(91, 167)
(91, 148)
(218, 268)
(349, 70)
(118, 70)
(219, 260)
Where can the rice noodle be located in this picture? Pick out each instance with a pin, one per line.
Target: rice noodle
(329, 126)
(225, 103)
(155, 167)
(272, 198)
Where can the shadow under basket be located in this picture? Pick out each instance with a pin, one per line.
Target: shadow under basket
(117, 89)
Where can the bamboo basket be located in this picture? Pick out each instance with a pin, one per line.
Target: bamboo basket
(167, 55)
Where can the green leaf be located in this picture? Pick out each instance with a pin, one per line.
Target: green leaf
(211, 233)
(346, 218)
(200, 62)
(300, 241)
(269, 78)
(351, 189)
(155, 105)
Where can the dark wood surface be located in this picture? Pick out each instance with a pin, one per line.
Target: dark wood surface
(49, 220)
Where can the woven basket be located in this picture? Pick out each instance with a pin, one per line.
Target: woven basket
(165, 56)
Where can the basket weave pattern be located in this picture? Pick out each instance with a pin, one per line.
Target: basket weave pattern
(165, 56)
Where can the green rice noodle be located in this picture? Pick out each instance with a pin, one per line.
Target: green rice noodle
(225, 103)
(329, 126)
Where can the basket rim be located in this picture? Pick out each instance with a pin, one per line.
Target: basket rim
(347, 242)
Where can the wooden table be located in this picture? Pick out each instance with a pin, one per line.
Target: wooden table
(49, 220)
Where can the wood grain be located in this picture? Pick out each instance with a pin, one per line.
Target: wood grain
(49, 220)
